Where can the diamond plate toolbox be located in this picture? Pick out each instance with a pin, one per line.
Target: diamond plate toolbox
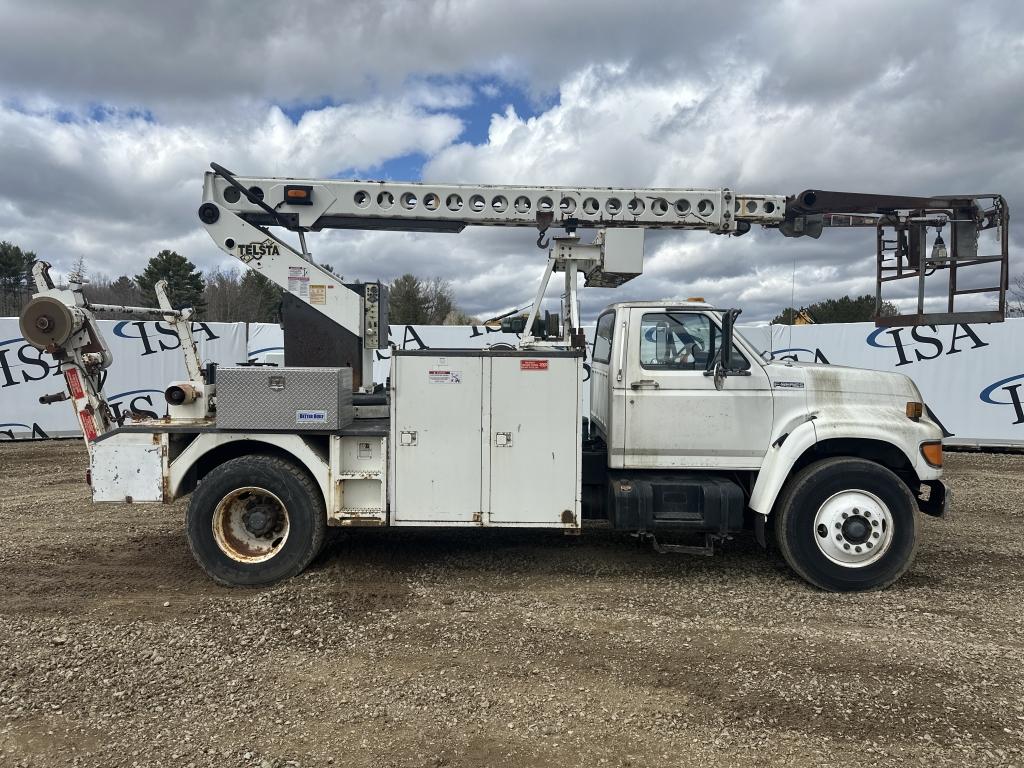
(285, 399)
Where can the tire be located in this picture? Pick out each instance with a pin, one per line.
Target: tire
(847, 525)
(255, 520)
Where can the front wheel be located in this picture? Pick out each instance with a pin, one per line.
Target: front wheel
(255, 520)
(846, 525)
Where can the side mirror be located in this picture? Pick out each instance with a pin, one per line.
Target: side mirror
(721, 364)
(727, 325)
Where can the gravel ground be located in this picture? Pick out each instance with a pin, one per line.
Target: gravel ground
(498, 648)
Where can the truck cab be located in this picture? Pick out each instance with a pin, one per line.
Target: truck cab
(694, 432)
(653, 391)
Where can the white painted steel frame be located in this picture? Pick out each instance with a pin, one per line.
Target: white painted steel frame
(392, 203)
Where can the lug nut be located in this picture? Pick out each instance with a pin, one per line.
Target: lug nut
(845, 515)
(846, 546)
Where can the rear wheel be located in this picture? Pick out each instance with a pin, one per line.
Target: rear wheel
(255, 520)
(847, 524)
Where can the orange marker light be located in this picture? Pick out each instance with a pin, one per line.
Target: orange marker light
(298, 194)
(932, 453)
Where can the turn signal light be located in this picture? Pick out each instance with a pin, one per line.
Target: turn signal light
(932, 453)
(915, 410)
(298, 194)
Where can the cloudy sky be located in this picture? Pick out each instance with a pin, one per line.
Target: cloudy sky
(110, 111)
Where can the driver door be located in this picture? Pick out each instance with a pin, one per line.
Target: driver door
(675, 417)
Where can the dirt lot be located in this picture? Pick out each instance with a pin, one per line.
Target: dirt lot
(492, 648)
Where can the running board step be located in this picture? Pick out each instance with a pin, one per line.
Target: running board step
(708, 550)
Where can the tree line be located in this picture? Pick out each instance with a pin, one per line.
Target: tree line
(247, 296)
(218, 295)
(860, 309)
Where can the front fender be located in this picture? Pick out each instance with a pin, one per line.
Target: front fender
(878, 425)
(882, 423)
(777, 463)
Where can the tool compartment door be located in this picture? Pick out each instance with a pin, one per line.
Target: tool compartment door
(128, 467)
(437, 437)
(535, 440)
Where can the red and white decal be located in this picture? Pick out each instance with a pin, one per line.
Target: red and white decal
(533, 365)
(74, 383)
(88, 425)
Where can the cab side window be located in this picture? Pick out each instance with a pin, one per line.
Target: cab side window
(603, 337)
(681, 341)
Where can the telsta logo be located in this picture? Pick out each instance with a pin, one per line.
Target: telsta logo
(924, 346)
(158, 337)
(251, 251)
(1006, 392)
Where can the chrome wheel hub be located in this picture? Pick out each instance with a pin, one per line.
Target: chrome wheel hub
(853, 528)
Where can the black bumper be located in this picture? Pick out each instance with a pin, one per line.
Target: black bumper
(937, 500)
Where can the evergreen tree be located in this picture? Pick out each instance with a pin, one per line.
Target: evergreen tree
(263, 298)
(124, 291)
(15, 277)
(185, 284)
(406, 301)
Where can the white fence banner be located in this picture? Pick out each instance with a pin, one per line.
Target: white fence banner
(147, 357)
(971, 376)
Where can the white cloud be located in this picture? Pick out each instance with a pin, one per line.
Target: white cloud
(117, 190)
(862, 96)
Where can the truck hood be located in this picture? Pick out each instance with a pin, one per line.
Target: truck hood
(835, 384)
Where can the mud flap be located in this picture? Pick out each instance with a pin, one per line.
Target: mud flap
(760, 529)
(934, 497)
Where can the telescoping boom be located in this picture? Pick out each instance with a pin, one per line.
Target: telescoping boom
(241, 215)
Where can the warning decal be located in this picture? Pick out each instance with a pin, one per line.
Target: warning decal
(298, 282)
(318, 294)
(74, 383)
(533, 365)
(445, 377)
(88, 425)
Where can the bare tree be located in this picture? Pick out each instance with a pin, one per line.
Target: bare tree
(1015, 301)
(439, 299)
(424, 302)
(224, 300)
(245, 296)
